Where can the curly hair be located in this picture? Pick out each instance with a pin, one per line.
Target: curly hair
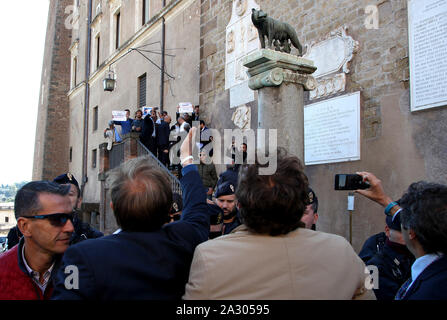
(273, 204)
(425, 212)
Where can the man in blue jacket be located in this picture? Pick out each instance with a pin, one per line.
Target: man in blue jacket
(126, 126)
(148, 259)
(423, 215)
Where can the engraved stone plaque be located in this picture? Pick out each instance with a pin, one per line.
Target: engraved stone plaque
(332, 130)
(427, 28)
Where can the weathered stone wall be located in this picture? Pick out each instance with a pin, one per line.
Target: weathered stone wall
(51, 147)
(397, 145)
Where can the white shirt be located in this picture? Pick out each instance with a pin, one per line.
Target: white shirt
(36, 276)
(421, 264)
(153, 132)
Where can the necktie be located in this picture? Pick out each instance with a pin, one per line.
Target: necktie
(403, 290)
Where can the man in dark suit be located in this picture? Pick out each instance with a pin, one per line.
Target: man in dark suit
(147, 133)
(423, 215)
(148, 259)
(196, 114)
(163, 140)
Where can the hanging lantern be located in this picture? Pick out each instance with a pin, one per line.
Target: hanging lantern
(109, 81)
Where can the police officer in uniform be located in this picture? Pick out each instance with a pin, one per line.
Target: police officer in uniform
(393, 261)
(82, 230)
(226, 200)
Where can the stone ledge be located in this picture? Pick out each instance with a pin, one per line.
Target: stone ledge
(266, 59)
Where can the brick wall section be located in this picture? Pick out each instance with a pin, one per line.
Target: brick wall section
(379, 68)
(52, 150)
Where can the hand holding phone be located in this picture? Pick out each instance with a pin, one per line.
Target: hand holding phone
(376, 191)
(350, 182)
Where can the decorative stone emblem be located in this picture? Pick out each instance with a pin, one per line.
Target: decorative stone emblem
(242, 117)
(332, 53)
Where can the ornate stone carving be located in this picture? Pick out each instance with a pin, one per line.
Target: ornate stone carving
(330, 54)
(329, 86)
(276, 76)
(242, 117)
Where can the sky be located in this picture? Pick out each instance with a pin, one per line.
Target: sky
(23, 28)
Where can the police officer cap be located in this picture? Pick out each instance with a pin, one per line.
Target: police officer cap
(394, 223)
(224, 189)
(66, 178)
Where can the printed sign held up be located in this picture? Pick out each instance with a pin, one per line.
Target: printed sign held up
(185, 107)
(119, 115)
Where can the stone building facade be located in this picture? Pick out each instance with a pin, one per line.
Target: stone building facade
(397, 145)
(50, 151)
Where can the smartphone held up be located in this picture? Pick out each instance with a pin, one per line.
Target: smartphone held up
(350, 182)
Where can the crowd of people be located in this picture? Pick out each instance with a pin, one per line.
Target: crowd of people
(156, 133)
(237, 236)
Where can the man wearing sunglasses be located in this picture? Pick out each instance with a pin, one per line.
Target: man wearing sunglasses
(82, 230)
(44, 216)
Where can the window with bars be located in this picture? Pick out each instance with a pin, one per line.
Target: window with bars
(142, 90)
(117, 31)
(94, 156)
(95, 118)
(98, 47)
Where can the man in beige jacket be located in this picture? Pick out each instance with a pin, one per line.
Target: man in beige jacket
(272, 256)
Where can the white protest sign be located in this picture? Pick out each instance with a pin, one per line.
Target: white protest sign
(119, 115)
(185, 107)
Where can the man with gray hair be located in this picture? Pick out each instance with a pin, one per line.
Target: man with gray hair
(44, 216)
(148, 259)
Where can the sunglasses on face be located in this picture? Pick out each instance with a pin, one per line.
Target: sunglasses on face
(56, 219)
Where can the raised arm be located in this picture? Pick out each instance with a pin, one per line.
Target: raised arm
(376, 192)
(195, 208)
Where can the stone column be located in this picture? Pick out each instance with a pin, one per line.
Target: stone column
(281, 79)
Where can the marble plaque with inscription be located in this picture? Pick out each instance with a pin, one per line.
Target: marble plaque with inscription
(427, 28)
(332, 130)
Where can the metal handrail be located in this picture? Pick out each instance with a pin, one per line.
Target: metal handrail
(116, 155)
